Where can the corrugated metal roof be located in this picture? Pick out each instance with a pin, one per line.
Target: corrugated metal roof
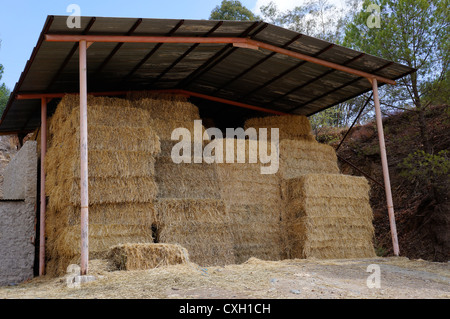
(257, 77)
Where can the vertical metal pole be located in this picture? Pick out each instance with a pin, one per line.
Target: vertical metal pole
(84, 161)
(42, 191)
(384, 163)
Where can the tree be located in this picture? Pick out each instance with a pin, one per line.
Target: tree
(4, 93)
(318, 19)
(414, 33)
(323, 20)
(232, 10)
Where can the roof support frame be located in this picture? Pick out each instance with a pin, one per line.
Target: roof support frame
(385, 167)
(218, 57)
(70, 55)
(42, 198)
(84, 179)
(153, 51)
(338, 88)
(187, 52)
(186, 93)
(283, 74)
(218, 40)
(314, 79)
(255, 65)
(118, 46)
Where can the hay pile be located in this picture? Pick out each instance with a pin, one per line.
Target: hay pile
(324, 214)
(254, 204)
(183, 180)
(292, 127)
(146, 256)
(328, 216)
(121, 155)
(300, 153)
(190, 210)
(299, 157)
(200, 225)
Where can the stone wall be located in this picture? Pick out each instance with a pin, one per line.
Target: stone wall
(17, 218)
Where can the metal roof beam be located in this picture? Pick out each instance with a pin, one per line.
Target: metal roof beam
(218, 40)
(337, 88)
(218, 57)
(118, 46)
(314, 80)
(70, 55)
(255, 65)
(153, 51)
(35, 96)
(188, 51)
(283, 74)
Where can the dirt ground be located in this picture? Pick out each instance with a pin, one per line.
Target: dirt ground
(297, 278)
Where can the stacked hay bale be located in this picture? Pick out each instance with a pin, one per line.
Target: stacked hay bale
(146, 256)
(300, 153)
(121, 155)
(329, 216)
(329, 219)
(190, 210)
(254, 203)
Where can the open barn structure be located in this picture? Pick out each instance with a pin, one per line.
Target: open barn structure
(231, 70)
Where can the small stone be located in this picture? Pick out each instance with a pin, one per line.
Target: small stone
(273, 280)
(295, 291)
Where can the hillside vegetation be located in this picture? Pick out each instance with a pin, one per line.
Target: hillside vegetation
(420, 182)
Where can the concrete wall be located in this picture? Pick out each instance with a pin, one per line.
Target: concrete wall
(19, 177)
(9, 145)
(17, 219)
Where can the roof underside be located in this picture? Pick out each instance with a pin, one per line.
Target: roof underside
(256, 77)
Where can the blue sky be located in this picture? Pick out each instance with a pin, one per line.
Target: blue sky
(21, 21)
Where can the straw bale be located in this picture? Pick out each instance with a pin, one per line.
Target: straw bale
(166, 107)
(294, 127)
(327, 216)
(65, 246)
(132, 256)
(101, 237)
(199, 225)
(137, 139)
(165, 127)
(185, 180)
(298, 158)
(106, 214)
(254, 206)
(175, 211)
(252, 149)
(328, 185)
(256, 231)
(102, 163)
(248, 193)
(167, 146)
(243, 173)
(101, 111)
(104, 191)
(70, 102)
